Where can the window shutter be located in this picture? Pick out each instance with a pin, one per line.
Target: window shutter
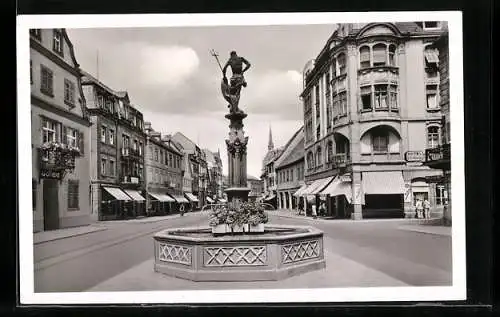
(81, 142)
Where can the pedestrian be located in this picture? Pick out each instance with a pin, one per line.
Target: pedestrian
(322, 209)
(181, 209)
(419, 208)
(314, 214)
(427, 208)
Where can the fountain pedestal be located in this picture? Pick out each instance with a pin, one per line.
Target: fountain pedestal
(237, 159)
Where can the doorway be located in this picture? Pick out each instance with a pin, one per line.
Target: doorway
(50, 204)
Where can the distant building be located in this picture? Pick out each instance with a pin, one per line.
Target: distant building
(163, 174)
(59, 134)
(371, 108)
(289, 167)
(257, 188)
(214, 172)
(117, 143)
(268, 174)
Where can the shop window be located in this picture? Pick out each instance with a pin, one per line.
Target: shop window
(364, 57)
(73, 195)
(46, 81)
(366, 97)
(432, 137)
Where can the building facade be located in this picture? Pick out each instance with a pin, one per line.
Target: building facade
(163, 174)
(439, 156)
(214, 176)
(290, 172)
(256, 186)
(268, 175)
(59, 134)
(117, 141)
(370, 110)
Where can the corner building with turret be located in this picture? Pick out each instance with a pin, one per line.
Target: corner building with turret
(371, 108)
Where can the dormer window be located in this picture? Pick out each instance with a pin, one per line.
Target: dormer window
(57, 42)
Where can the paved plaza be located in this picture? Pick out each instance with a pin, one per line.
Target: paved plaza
(358, 254)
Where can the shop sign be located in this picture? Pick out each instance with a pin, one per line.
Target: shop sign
(50, 173)
(414, 156)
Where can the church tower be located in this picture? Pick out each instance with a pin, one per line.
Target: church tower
(270, 145)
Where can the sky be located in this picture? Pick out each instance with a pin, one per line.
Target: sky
(173, 80)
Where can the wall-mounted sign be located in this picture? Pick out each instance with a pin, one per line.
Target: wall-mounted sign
(435, 156)
(345, 178)
(414, 156)
(50, 174)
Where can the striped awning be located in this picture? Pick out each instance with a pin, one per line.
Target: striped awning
(316, 186)
(117, 193)
(180, 199)
(337, 187)
(431, 56)
(380, 183)
(191, 197)
(300, 190)
(134, 194)
(161, 197)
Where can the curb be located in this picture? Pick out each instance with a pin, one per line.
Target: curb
(70, 236)
(420, 230)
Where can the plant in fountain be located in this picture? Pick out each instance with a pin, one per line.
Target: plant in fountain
(247, 217)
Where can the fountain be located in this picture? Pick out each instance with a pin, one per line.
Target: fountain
(238, 245)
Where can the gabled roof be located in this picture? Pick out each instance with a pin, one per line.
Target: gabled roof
(184, 141)
(289, 145)
(294, 152)
(272, 155)
(87, 78)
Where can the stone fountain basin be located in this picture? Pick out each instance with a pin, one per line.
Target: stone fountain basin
(278, 253)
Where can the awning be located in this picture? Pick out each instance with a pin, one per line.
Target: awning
(337, 188)
(380, 183)
(431, 56)
(180, 199)
(134, 194)
(191, 197)
(316, 186)
(161, 197)
(300, 190)
(210, 200)
(270, 197)
(117, 193)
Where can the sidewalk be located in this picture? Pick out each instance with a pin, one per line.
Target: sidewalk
(436, 230)
(287, 213)
(51, 235)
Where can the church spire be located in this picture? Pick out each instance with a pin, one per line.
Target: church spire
(270, 145)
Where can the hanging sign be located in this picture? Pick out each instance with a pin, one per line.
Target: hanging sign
(50, 173)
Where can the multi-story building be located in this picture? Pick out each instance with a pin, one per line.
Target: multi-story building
(214, 181)
(203, 178)
(439, 156)
(59, 133)
(268, 173)
(163, 174)
(256, 188)
(289, 167)
(370, 110)
(191, 162)
(117, 152)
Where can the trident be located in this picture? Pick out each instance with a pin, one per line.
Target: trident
(216, 55)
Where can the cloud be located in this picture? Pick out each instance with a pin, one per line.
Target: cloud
(167, 66)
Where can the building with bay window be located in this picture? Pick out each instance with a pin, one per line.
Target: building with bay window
(117, 141)
(59, 134)
(370, 110)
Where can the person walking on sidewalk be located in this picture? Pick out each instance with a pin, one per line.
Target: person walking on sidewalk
(322, 209)
(427, 209)
(314, 214)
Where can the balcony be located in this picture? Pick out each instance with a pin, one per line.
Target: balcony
(438, 157)
(128, 152)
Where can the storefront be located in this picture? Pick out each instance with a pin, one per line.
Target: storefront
(339, 197)
(193, 200)
(139, 203)
(160, 204)
(115, 204)
(181, 204)
(310, 193)
(383, 193)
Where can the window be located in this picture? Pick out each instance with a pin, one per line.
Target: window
(366, 97)
(100, 101)
(126, 141)
(431, 56)
(343, 102)
(334, 67)
(364, 57)
(73, 187)
(71, 137)
(380, 96)
(379, 55)
(111, 167)
(103, 166)
(329, 151)
(393, 96)
(431, 95)
(341, 63)
(441, 195)
(392, 53)
(156, 155)
(103, 134)
(310, 160)
(170, 162)
(57, 42)
(432, 137)
(431, 25)
(109, 105)
(318, 132)
(317, 97)
(111, 136)
(69, 92)
(49, 131)
(36, 33)
(380, 141)
(318, 156)
(46, 81)
(135, 145)
(33, 193)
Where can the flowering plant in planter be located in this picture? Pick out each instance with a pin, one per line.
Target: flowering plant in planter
(232, 216)
(60, 147)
